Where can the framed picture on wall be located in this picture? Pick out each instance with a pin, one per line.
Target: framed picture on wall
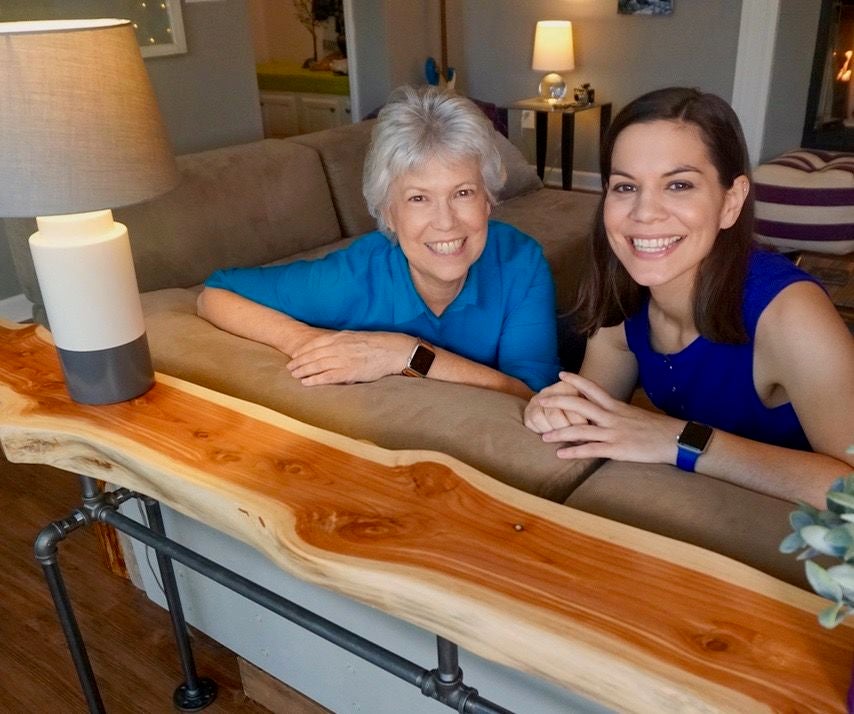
(159, 24)
(645, 7)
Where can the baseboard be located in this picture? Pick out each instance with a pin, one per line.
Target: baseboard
(16, 308)
(274, 694)
(581, 180)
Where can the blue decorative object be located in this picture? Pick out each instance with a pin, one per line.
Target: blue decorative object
(431, 71)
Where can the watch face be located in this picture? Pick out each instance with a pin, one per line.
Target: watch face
(422, 359)
(695, 436)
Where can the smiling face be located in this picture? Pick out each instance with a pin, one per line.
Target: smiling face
(664, 204)
(439, 213)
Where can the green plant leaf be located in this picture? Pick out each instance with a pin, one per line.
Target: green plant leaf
(831, 519)
(843, 574)
(839, 536)
(808, 553)
(792, 543)
(847, 517)
(816, 537)
(846, 500)
(822, 583)
(831, 616)
(800, 519)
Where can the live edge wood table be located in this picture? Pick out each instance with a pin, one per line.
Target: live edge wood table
(631, 620)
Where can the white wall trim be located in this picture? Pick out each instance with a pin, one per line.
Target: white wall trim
(16, 308)
(352, 61)
(754, 59)
(581, 180)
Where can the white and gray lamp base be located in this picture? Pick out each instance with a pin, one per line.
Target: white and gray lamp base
(85, 271)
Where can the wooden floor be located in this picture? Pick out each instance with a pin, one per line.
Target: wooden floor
(128, 637)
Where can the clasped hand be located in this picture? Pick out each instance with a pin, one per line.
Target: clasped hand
(347, 357)
(592, 424)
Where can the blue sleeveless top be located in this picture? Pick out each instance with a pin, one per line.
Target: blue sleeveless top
(712, 383)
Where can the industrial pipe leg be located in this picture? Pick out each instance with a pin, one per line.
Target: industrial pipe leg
(195, 693)
(46, 553)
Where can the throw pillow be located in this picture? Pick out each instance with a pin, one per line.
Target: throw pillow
(805, 201)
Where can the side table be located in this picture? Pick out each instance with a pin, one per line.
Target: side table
(567, 135)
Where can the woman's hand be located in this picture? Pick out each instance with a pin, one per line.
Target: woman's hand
(542, 419)
(347, 357)
(611, 429)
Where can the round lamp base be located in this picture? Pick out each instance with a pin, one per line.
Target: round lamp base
(552, 87)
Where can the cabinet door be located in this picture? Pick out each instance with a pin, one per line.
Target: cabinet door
(320, 112)
(280, 114)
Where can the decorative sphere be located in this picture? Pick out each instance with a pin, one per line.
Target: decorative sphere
(552, 87)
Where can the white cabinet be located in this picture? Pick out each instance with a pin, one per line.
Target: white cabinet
(280, 114)
(291, 113)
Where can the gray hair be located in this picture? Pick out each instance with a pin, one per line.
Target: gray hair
(418, 124)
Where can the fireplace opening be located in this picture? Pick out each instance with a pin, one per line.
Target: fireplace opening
(829, 122)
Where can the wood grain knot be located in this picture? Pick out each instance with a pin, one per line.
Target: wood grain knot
(712, 643)
(293, 467)
(224, 456)
(429, 478)
(360, 528)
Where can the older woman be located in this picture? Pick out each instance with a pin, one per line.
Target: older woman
(439, 291)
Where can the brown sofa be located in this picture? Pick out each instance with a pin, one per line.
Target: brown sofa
(277, 200)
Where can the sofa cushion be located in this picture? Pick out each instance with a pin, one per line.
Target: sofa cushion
(713, 514)
(805, 201)
(521, 176)
(478, 426)
(343, 150)
(562, 221)
(240, 205)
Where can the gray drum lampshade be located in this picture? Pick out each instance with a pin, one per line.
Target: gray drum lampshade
(81, 134)
(80, 129)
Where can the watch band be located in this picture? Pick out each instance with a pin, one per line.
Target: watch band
(686, 459)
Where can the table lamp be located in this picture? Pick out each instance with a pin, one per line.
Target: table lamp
(553, 51)
(80, 134)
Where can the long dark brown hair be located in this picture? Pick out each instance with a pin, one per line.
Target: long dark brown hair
(608, 294)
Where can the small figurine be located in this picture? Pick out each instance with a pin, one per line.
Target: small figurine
(584, 94)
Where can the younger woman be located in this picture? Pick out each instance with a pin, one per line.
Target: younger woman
(744, 354)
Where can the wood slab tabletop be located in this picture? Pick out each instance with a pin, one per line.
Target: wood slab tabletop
(627, 618)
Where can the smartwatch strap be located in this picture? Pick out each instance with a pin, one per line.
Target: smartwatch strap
(686, 459)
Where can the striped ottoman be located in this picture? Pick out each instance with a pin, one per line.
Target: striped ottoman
(805, 201)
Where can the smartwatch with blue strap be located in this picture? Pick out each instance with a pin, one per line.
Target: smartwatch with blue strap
(691, 444)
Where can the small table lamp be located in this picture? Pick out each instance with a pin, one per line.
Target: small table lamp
(553, 51)
(80, 134)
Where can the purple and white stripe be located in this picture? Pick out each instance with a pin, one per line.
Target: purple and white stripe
(805, 200)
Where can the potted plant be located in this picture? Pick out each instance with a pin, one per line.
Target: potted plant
(829, 533)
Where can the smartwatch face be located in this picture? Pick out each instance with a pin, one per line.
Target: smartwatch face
(695, 436)
(422, 359)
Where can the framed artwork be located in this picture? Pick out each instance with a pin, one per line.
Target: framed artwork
(645, 7)
(159, 24)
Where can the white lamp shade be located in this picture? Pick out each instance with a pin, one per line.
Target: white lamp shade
(553, 46)
(80, 129)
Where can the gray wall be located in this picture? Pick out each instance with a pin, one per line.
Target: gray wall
(622, 56)
(8, 282)
(208, 97)
(793, 54)
(392, 41)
